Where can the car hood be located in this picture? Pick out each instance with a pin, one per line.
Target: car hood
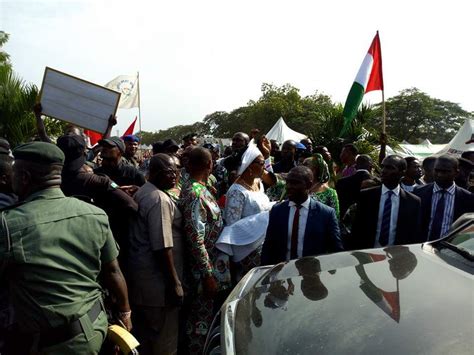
(399, 299)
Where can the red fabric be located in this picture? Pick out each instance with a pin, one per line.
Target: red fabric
(376, 77)
(94, 137)
(377, 257)
(131, 128)
(221, 201)
(393, 300)
(294, 234)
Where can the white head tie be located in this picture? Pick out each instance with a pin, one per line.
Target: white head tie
(248, 157)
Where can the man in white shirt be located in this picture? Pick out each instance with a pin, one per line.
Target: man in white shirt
(387, 215)
(300, 226)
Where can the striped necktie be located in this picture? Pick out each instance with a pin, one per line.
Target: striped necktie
(386, 216)
(438, 216)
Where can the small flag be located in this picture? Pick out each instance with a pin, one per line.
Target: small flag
(94, 137)
(131, 128)
(127, 85)
(369, 78)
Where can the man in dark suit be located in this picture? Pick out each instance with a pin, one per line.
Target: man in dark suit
(442, 202)
(348, 188)
(300, 226)
(386, 215)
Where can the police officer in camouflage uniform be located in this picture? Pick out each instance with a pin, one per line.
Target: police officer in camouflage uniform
(52, 249)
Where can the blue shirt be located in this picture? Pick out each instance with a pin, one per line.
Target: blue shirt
(448, 214)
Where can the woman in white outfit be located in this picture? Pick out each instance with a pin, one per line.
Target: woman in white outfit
(246, 197)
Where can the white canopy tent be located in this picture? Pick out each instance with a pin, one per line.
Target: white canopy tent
(420, 151)
(458, 145)
(281, 132)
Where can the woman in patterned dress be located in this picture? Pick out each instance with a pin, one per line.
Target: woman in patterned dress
(208, 267)
(321, 190)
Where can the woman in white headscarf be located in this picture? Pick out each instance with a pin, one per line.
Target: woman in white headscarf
(245, 198)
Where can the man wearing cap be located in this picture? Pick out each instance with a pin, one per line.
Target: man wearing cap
(52, 249)
(79, 181)
(131, 146)
(170, 147)
(113, 149)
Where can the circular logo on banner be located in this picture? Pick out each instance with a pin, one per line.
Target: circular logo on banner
(125, 87)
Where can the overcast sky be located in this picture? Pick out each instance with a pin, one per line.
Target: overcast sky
(197, 57)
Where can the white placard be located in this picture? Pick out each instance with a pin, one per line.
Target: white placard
(77, 101)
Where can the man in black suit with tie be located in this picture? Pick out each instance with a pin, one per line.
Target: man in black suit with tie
(300, 226)
(348, 188)
(386, 215)
(442, 202)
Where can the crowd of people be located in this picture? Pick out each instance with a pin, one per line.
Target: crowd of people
(165, 236)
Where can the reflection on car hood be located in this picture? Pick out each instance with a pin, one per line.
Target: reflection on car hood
(394, 300)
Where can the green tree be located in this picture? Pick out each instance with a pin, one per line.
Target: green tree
(17, 98)
(413, 115)
(175, 132)
(4, 56)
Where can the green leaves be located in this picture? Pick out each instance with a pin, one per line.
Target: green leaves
(413, 115)
(17, 123)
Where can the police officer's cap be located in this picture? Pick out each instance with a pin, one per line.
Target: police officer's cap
(113, 142)
(39, 152)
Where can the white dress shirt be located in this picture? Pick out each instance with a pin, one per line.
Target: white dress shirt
(301, 226)
(393, 216)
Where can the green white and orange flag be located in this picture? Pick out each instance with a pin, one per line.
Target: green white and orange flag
(369, 78)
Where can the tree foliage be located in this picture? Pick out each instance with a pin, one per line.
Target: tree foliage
(413, 115)
(4, 56)
(175, 132)
(17, 98)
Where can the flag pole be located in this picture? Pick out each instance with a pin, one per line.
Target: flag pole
(384, 114)
(139, 109)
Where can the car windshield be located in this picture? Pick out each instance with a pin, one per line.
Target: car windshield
(463, 242)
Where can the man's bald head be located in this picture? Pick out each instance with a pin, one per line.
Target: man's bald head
(364, 161)
(163, 171)
(160, 162)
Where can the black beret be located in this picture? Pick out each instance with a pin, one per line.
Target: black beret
(113, 142)
(39, 152)
(73, 147)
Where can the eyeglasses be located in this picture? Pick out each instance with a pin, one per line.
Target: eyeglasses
(259, 162)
